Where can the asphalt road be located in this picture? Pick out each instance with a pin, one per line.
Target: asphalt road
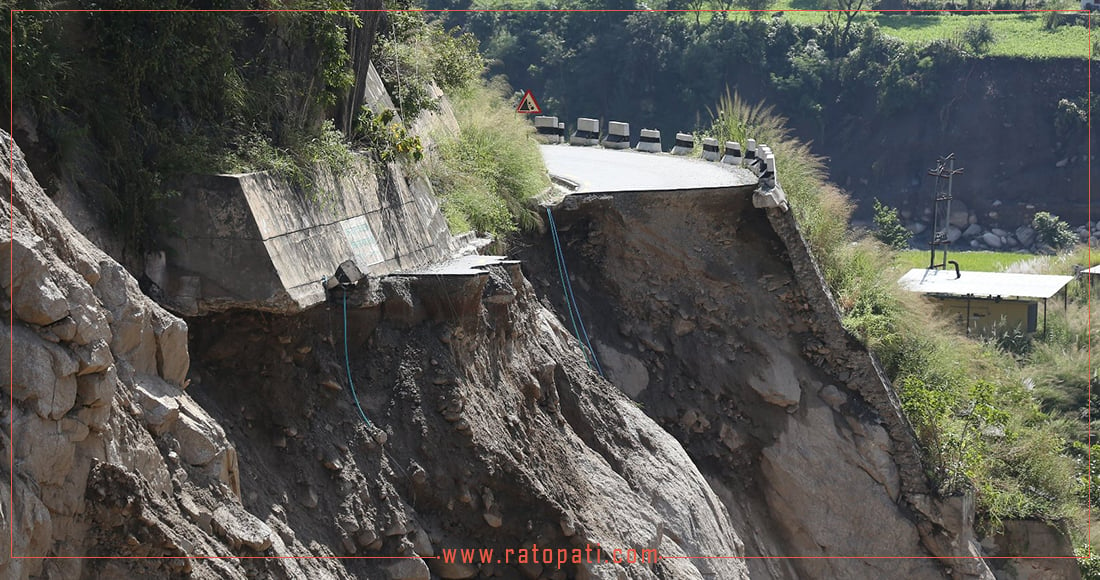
(599, 170)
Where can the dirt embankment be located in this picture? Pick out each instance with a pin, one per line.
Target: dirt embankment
(711, 315)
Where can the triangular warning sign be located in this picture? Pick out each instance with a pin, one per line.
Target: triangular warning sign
(527, 104)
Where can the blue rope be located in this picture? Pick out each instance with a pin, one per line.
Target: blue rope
(347, 364)
(561, 268)
(570, 299)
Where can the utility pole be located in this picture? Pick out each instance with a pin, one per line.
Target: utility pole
(941, 214)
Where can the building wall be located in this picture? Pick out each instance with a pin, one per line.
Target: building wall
(987, 314)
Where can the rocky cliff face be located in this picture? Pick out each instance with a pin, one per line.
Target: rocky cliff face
(711, 314)
(487, 430)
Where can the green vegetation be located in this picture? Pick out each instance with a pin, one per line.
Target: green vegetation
(487, 171)
(888, 228)
(126, 103)
(386, 138)
(414, 52)
(1001, 417)
(974, 261)
(1026, 34)
(1052, 231)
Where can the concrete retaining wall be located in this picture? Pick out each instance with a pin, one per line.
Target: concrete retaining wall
(253, 241)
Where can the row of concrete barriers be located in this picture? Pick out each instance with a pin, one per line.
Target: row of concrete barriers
(758, 159)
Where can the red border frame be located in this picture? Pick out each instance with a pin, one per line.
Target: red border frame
(11, 155)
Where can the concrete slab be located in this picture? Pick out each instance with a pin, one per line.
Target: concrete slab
(473, 265)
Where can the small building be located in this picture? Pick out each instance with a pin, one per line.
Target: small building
(981, 300)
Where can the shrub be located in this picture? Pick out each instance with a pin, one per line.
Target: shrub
(1052, 231)
(486, 172)
(413, 53)
(888, 227)
(979, 36)
(386, 139)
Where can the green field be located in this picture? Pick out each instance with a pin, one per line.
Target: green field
(1015, 35)
(974, 261)
(1018, 35)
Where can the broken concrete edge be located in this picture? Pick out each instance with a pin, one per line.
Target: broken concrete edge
(946, 538)
(565, 182)
(769, 198)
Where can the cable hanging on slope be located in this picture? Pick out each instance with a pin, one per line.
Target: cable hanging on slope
(571, 301)
(347, 364)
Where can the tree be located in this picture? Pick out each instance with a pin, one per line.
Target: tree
(757, 6)
(888, 227)
(1052, 231)
(840, 18)
(979, 36)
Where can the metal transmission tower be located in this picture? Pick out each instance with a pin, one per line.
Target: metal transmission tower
(941, 215)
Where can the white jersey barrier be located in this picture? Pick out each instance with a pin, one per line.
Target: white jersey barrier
(618, 135)
(546, 129)
(587, 133)
(685, 143)
(710, 149)
(650, 140)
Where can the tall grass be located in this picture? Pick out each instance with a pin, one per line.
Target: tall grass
(979, 425)
(486, 171)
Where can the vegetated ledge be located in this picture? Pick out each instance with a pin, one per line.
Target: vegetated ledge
(713, 315)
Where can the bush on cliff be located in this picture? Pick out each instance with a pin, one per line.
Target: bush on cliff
(487, 171)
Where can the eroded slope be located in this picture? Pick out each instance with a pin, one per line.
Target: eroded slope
(711, 314)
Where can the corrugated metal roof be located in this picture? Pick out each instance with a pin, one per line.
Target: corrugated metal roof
(983, 284)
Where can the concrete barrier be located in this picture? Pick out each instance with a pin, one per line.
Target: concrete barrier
(685, 143)
(650, 140)
(710, 149)
(587, 133)
(750, 152)
(618, 135)
(546, 129)
(732, 154)
(768, 178)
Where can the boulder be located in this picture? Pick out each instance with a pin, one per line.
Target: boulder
(241, 528)
(991, 239)
(960, 214)
(201, 438)
(171, 340)
(953, 234)
(1026, 235)
(453, 570)
(97, 389)
(777, 383)
(157, 400)
(35, 296)
(408, 569)
(972, 230)
(42, 449)
(44, 374)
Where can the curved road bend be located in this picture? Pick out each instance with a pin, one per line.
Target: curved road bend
(599, 170)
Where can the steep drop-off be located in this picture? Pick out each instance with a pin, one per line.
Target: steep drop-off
(489, 431)
(712, 315)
